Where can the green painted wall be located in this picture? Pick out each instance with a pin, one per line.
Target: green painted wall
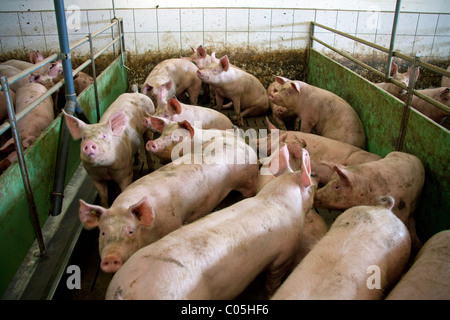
(16, 229)
(381, 115)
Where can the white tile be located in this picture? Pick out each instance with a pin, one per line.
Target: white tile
(31, 23)
(423, 46)
(327, 18)
(215, 19)
(302, 20)
(52, 42)
(128, 19)
(11, 43)
(76, 20)
(346, 21)
(169, 41)
(327, 38)
(427, 24)
(214, 40)
(404, 44)
(344, 44)
(259, 40)
(300, 40)
(97, 19)
(191, 20)
(191, 38)
(34, 43)
(146, 41)
(130, 42)
(282, 20)
(145, 20)
(407, 23)
(237, 20)
(49, 22)
(281, 40)
(10, 24)
(367, 22)
(168, 20)
(443, 26)
(385, 22)
(237, 39)
(441, 46)
(383, 40)
(260, 19)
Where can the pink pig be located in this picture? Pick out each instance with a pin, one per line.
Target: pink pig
(399, 174)
(436, 114)
(108, 147)
(280, 114)
(362, 255)
(320, 110)
(393, 89)
(218, 256)
(244, 90)
(176, 76)
(166, 199)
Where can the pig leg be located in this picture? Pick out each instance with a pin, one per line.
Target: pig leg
(237, 112)
(194, 92)
(279, 122)
(253, 111)
(219, 101)
(102, 189)
(148, 136)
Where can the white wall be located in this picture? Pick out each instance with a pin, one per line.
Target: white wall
(424, 26)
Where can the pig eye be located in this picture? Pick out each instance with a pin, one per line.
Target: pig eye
(103, 233)
(336, 187)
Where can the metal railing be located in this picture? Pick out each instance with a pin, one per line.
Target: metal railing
(416, 64)
(10, 123)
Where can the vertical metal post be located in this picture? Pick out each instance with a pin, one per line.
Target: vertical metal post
(63, 150)
(23, 168)
(393, 34)
(310, 45)
(94, 75)
(112, 28)
(407, 108)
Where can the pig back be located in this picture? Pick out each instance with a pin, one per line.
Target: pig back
(337, 266)
(429, 276)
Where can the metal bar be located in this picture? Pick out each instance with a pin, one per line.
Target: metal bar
(23, 168)
(349, 57)
(63, 150)
(430, 67)
(407, 109)
(86, 38)
(94, 75)
(367, 43)
(393, 33)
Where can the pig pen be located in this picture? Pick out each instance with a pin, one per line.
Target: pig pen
(380, 113)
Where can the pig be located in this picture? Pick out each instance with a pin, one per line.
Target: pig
(429, 276)
(320, 110)
(362, 255)
(393, 89)
(81, 81)
(324, 152)
(35, 57)
(174, 110)
(244, 90)
(436, 114)
(3, 111)
(282, 115)
(398, 174)
(176, 76)
(173, 133)
(169, 197)
(109, 146)
(10, 71)
(33, 123)
(445, 82)
(218, 256)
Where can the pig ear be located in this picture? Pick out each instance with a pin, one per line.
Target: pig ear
(283, 161)
(90, 214)
(306, 169)
(408, 73)
(118, 123)
(295, 86)
(444, 92)
(213, 57)
(225, 63)
(168, 85)
(143, 211)
(147, 88)
(296, 147)
(76, 126)
(201, 52)
(343, 175)
(34, 77)
(175, 105)
(158, 123)
(281, 80)
(36, 56)
(394, 69)
(186, 125)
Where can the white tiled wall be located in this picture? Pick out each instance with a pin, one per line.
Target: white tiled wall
(423, 34)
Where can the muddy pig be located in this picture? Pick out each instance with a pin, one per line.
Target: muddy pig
(362, 255)
(282, 115)
(218, 256)
(436, 114)
(177, 76)
(393, 89)
(33, 123)
(244, 90)
(109, 146)
(399, 174)
(164, 200)
(429, 276)
(321, 111)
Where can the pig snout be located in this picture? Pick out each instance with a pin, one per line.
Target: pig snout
(90, 148)
(201, 75)
(111, 263)
(151, 146)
